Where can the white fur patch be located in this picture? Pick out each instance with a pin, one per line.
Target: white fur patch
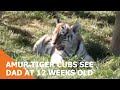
(56, 58)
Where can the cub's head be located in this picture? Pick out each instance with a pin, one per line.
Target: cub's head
(65, 34)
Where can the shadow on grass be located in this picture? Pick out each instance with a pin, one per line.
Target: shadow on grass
(97, 51)
(24, 41)
(96, 46)
(25, 38)
(17, 30)
(109, 19)
(82, 14)
(2, 43)
(20, 31)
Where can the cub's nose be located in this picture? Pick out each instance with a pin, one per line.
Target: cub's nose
(61, 47)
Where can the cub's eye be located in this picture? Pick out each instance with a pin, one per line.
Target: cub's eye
(62, 27)
(63, 32)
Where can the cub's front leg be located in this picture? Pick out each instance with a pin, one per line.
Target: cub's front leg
(82, 53)
(57, 57)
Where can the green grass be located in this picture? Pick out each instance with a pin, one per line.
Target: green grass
(27, 27)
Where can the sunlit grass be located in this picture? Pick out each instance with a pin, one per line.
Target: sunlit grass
(96, 30)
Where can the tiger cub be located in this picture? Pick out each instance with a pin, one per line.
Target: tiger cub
(65, 41)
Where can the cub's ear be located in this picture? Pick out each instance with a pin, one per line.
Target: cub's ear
(76, 27)
(58, 21)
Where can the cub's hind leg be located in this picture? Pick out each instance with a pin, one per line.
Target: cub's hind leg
(43, 45)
